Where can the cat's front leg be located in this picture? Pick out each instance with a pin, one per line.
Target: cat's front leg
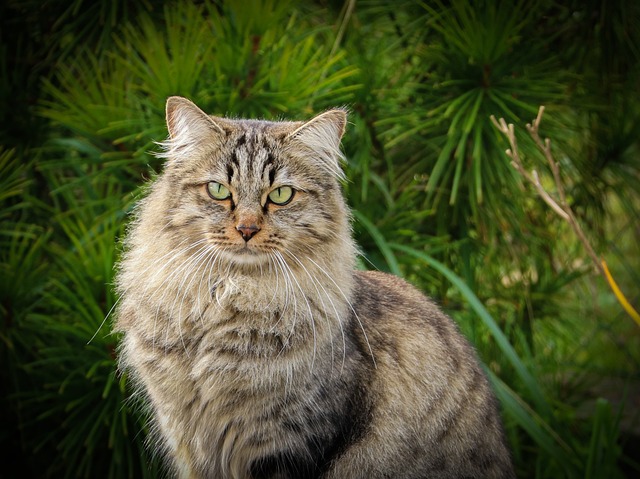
(362, 460)
(181, 458)
(182, 463)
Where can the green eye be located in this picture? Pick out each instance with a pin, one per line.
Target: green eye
(218, 191)
(282, 195)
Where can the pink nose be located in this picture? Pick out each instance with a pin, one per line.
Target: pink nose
(247, 232)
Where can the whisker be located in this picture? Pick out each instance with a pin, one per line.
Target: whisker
(121, 295)
(313, 324)
(187, 267)
(170, 262)
(351, 307)
(285, 305)
(173, 254)
(288, 288)
(276, 288)
(211, 265)
(317, 283)
(202, 260)
(115, 303)
(183, 266)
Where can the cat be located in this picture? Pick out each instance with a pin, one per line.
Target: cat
(260, 349)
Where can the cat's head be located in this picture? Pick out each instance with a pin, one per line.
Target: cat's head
(254, 190)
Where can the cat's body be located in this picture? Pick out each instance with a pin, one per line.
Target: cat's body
(260, 350)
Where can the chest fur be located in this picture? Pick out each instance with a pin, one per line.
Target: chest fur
(232, 386)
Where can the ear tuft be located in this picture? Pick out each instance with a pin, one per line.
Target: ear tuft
(190, 129)
(322, 135)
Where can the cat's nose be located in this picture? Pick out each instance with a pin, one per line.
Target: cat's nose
(247, 232)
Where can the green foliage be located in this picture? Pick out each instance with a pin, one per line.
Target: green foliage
(434, 196)
(82, 399)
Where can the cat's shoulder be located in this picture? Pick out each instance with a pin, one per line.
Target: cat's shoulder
(387, 287)
(382, 293)
(402, 325)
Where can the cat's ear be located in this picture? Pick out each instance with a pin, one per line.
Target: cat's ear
(322, 135)
(189, 129)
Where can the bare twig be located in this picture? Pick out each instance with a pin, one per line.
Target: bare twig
(545, 147)
(560, 205)
(513, 153)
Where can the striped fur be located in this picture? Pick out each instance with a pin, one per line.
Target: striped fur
(270, 357)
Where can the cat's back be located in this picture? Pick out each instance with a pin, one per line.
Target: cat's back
(425, 376)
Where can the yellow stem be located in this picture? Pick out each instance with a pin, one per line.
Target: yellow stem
(621, 298)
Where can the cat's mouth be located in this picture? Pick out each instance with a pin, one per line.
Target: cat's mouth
(247, 255)
(249, 251)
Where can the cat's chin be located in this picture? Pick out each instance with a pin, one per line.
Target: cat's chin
(248, 257)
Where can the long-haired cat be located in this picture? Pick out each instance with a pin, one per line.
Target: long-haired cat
(260, 350)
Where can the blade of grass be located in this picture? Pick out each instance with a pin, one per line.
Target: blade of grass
(381, 242)
(535, 426)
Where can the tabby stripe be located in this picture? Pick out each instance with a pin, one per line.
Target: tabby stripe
(270, 167)
(462, 410)
(242, 139)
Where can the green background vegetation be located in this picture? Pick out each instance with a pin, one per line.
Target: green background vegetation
(435, 199)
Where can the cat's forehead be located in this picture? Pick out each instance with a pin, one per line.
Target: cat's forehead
(256, 133)
(252, 154)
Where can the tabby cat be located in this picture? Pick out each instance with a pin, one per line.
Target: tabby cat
(260, 350)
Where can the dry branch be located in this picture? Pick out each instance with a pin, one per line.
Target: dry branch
(559, 204)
